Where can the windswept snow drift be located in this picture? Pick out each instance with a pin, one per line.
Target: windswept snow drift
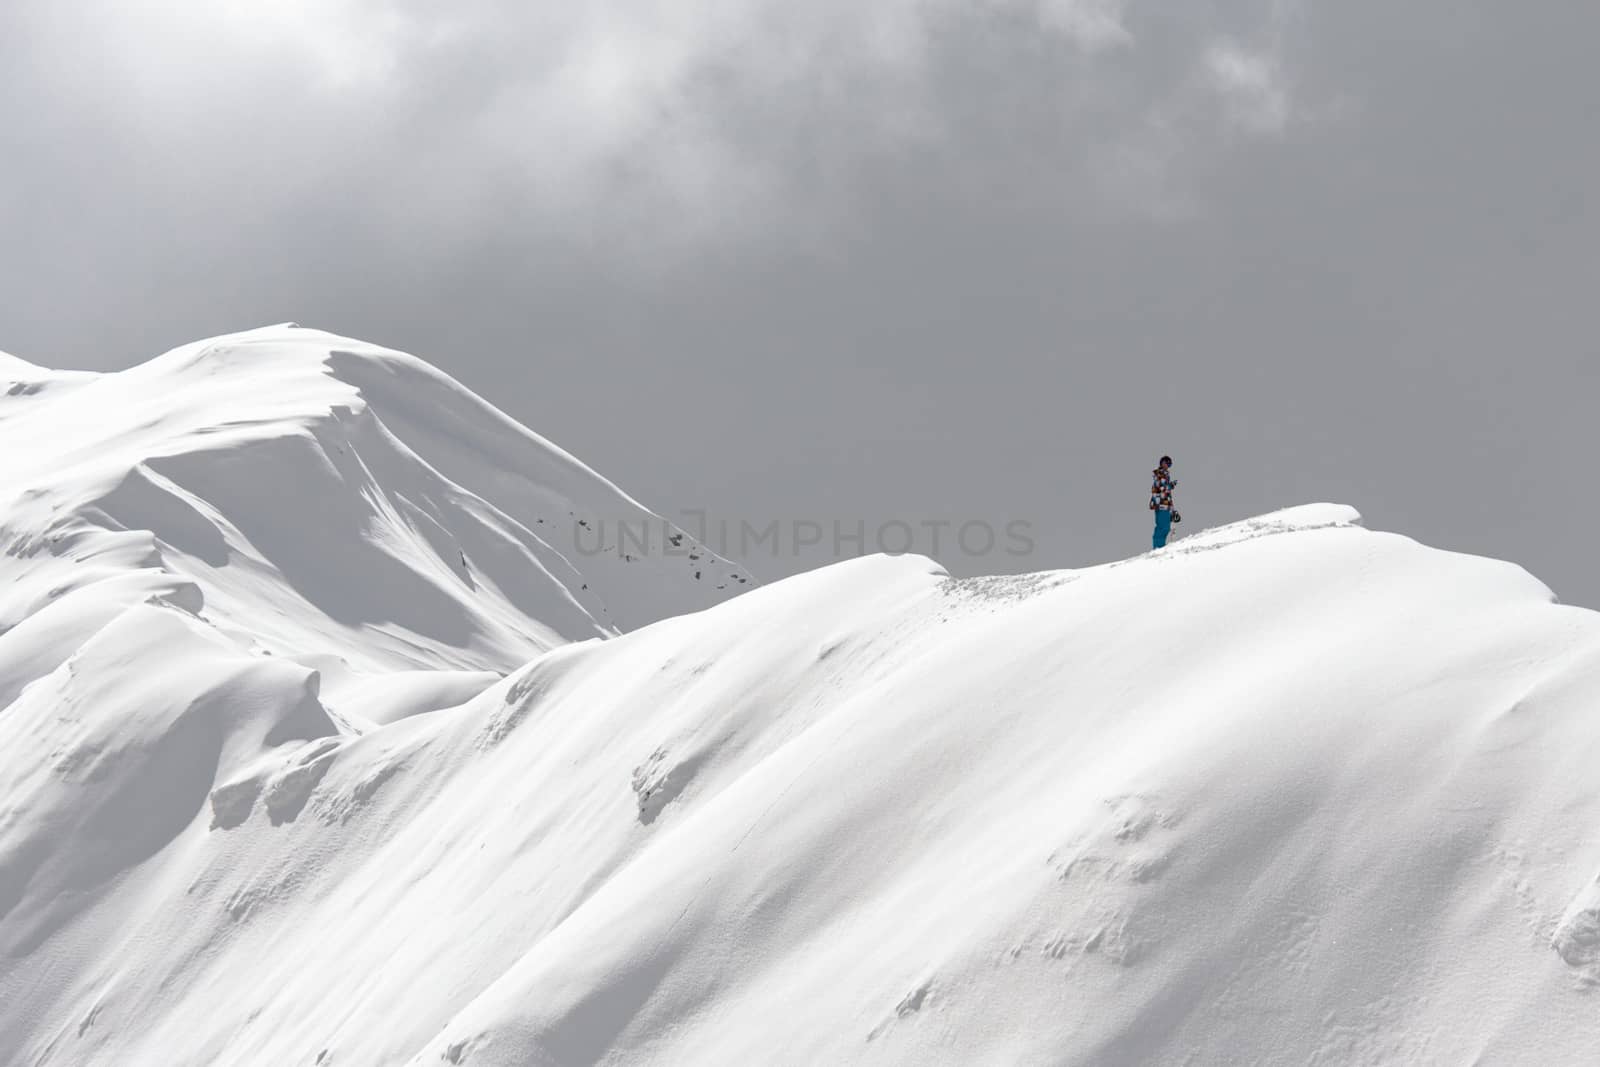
(1290, 791)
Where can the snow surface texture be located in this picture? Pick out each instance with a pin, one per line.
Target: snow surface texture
(1289, 791)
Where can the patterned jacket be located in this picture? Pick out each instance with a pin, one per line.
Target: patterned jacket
(1161, 487)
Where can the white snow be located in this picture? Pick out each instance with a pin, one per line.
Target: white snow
(314, 495)
(282, 785)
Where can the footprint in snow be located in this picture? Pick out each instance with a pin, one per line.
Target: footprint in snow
(457, 1052)
(1577, 936)
(909, 1005)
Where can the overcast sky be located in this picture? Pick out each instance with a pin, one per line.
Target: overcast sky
(873, 259)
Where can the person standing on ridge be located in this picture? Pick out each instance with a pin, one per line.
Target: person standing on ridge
(1161, 486)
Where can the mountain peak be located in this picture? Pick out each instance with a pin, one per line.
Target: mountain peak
(283, 469)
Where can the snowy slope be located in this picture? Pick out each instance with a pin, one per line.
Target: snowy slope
(317, 498)
(1290, 791)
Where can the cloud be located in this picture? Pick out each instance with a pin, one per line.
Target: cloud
(672, 124)
(1251, 86)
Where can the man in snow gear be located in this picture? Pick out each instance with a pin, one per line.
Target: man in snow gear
(1161, 487)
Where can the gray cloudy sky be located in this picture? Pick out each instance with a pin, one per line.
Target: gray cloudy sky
(872, 259)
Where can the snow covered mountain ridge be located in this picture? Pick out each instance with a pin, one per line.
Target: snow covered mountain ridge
(316, 751)
(318, 498)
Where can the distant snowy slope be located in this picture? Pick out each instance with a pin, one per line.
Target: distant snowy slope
(1288, 792)
(313, 497)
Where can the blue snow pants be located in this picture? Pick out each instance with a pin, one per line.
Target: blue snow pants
(1163, 527)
